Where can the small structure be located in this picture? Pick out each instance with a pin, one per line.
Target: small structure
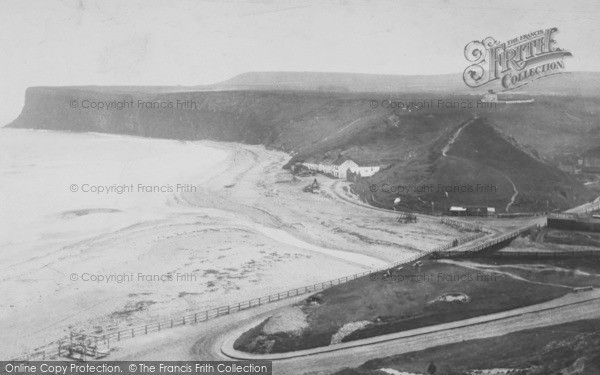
(471, 211)
(457, 211)
(83, 346)
(490, 97)
(312, 187)
(397, 202)
(407, 217)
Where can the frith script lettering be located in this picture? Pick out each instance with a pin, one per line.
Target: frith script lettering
(514, 63)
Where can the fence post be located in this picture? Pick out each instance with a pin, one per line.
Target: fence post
(323, 285)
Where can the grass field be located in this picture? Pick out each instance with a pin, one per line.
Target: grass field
(401, 302)
(540, 351)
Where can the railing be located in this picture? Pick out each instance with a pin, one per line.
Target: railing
(52, 350)
(488, 244)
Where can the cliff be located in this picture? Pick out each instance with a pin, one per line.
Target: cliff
(326, 125)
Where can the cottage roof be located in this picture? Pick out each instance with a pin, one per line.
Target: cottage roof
(360, 163)
(341, 161)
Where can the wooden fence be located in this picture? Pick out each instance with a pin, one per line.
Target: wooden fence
(470, 251)
(51, 350)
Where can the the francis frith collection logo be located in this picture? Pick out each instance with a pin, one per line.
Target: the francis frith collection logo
(516, 62)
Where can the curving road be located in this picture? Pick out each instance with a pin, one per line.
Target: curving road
(212, 339)
(206, 341)
(217, 341)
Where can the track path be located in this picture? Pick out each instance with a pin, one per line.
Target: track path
(514, 196)
(455, 136)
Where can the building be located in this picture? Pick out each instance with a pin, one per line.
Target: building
(342, 166)
(345, 168)
(457, 211)
(490, 97)
(471, 211)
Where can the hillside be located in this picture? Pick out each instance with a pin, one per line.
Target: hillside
(481, 167)
(318, 126)
(569, 348)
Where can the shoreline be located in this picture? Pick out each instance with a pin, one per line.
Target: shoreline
(260, 235)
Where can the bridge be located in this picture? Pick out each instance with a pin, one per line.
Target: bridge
(489, 246)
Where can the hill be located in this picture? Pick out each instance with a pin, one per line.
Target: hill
(570, 83)
(327, 125)
(476, 165)
(344, 82)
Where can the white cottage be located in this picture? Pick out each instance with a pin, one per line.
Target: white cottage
(341, 167)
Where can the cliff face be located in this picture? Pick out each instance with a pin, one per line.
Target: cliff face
(326, 126)
(192, 116)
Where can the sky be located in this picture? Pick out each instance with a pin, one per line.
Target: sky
(195, 42)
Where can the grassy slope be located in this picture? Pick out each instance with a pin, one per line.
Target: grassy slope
(402, 304)
(480, 155)
(535, 180)
(544, 351)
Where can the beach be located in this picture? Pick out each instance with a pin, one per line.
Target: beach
(239, 227)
